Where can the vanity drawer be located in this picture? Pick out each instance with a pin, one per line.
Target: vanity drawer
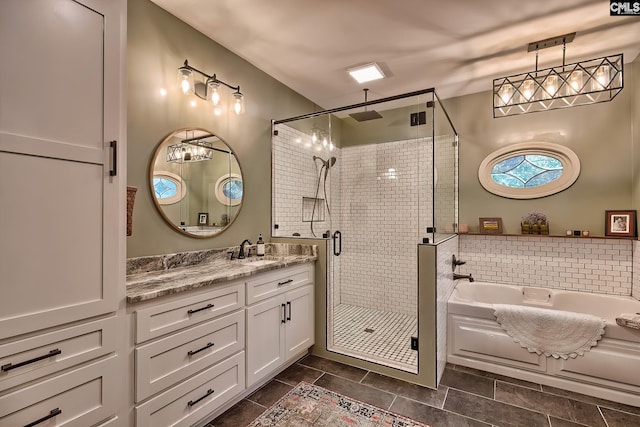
(78, 398)
(276, 282)
(195, 398)
(162, 319)
(166, 361)
(35, 357)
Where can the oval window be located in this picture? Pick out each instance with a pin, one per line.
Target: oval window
(168, 187)
(529, 170)
(229, 189)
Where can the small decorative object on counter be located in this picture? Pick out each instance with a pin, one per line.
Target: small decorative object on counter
(260, 246)
(534, 223)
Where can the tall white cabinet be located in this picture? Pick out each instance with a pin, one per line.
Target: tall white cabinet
(61, 211)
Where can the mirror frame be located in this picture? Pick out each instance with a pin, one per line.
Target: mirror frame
(158, 206)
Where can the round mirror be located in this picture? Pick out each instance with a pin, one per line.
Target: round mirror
(196, 182)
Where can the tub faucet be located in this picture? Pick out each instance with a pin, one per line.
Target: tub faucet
(457, 276)
(241, 253)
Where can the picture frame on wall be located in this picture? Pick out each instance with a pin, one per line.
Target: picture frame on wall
(620, 223)
(490, 225)
(203, 218)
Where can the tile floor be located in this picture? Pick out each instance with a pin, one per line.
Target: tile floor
(377, 336)
(466, 398)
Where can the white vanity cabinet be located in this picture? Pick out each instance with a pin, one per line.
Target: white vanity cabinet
(280, 319)
(189, 355)
(62, 216)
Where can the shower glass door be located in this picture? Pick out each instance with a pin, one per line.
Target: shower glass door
(366, 184)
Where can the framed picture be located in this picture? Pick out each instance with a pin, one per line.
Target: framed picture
(203, 218)
(491, 225)
(620, 223)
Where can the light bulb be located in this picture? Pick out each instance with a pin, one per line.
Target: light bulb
(551, 86)
(238, 105)
(527, 89)
(505, 93)
(576, 81)
(314, 137)
(184, 84)
(163, 92)
(602, 77)
(215, 95)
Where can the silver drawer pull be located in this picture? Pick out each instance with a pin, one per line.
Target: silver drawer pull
(200, 309)
(209, 345)
(52, 413)
(285, 282)
(193, 402)
(10, 366)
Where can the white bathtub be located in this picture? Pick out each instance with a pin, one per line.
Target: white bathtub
(610, 370)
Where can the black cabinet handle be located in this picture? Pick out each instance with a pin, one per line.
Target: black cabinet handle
(190, 312)
(193, 402)
(52, 414)
(284, 313)
(285, 282)
(10, 366)
(114, 150)
(209, 345)
(289, 305)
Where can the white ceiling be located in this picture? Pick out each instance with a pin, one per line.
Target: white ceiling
(456, 46)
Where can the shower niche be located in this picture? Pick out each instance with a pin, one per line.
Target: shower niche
(368, 187)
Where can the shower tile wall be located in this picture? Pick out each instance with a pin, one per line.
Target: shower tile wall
(295, 176)
(578, 264)
(445, 251)
(385, 198)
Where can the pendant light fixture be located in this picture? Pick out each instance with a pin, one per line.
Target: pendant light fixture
(570, 85)
(211, 89)
(194, 149)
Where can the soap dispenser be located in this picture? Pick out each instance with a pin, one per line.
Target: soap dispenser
(260, 246)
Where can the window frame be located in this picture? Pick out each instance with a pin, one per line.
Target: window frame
(182, 187)
(568, 158)
(219, 189)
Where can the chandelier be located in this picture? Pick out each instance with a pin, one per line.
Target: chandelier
(194, 149)
(211, 89)
(570, 85)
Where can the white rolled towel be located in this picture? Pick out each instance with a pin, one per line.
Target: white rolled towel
(629, 320)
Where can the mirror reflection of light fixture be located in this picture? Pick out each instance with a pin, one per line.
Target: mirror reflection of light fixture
(212, 89)
(570, 85)
(194, 149)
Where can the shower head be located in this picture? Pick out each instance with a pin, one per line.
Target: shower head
(365, 115)
(327, 163)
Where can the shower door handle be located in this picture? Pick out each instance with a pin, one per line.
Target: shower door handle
(337, 248)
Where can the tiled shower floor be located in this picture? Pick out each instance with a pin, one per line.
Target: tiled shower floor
(375, 335)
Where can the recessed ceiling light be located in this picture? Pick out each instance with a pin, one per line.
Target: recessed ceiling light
(366, 73)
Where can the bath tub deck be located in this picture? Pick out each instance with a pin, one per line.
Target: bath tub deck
(610, 370)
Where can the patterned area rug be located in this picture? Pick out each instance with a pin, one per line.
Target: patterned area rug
(309, 405)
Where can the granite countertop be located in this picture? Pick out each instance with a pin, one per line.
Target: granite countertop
(155, 276)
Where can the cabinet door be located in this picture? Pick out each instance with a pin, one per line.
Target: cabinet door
(265, 338)
(300, 320)
(60, 207)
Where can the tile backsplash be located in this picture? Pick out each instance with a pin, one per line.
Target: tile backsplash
(577, 264)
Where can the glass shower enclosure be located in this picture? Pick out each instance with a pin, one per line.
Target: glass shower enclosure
(372, 181)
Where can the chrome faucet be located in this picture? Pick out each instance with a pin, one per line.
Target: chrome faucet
(241, 253)
(457, 276)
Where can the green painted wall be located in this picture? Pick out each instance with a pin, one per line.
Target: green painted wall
(601, 135)
(605, 137)
(158, 43)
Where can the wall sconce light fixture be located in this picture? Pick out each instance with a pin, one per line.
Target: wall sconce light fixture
(581, 83)
(211, 89)
(193, 149)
